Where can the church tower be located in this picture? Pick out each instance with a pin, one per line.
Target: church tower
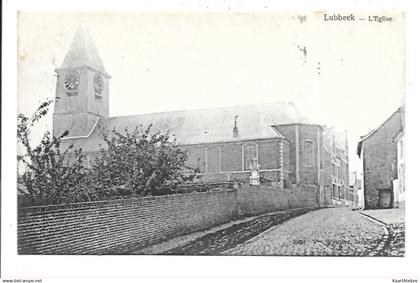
(82, 91)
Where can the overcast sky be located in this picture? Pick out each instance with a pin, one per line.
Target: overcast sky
(352, 76)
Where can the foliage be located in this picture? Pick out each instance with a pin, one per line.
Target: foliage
(50, 176)
(134, 163)
(140, 162)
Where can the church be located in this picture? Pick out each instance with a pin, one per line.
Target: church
(223, 143)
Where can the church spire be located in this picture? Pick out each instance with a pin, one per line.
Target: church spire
(82, 90)
(83, 52)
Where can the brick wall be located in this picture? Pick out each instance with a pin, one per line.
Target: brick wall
(303, 132)
(89, 228)
(97, 227)
(289, 131)
(254, 200)
(308, 174)
(224, 161)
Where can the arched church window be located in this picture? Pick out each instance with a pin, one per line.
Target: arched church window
(249, 152)
(308, 153)
(213, 159)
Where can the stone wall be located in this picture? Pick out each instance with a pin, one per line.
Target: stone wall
(98, 227)
(380, 161)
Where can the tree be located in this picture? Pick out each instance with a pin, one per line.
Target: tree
(51, 176)
(133, 163)
(140, 162)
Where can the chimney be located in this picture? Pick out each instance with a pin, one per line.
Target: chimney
(235, 127)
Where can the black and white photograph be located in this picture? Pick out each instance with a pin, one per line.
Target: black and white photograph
(238, 135)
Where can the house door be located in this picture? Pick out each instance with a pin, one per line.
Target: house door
(385, 199)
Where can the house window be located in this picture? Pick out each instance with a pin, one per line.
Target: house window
(308, 153)
(249, 152)
(339, 173)
(401, 177)
(401, 149)
(335, 194)
(213, 159)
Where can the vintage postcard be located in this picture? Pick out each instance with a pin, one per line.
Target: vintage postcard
(282, 150)
(211, 133)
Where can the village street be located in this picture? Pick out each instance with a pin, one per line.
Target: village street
(322, 232)
(329, 232)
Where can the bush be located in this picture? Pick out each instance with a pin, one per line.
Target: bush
(140, 162)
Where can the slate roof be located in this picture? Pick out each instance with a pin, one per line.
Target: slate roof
(83, 52)
(203, 125)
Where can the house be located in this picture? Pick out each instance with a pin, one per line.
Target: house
(355, 184)
(383, 163)
(336, 166)
(289, 148)
(399, 183)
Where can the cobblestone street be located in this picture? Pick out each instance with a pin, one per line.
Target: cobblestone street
(322, 232)
(393, 220)
(221, 240)
(328, 232)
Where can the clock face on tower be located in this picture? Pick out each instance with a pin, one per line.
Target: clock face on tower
(72, 80)
(98, 83)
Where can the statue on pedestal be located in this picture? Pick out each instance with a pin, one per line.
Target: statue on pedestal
(254, 179)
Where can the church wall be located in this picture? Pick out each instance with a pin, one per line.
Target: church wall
(71, 101)
(97, 104)
(286, 174)
(77, 110)
(268, 154)
(220, 162)
(79, 124)
(300, 135)
(231, 157)
(308, 162)
(289, 131)
(286, 155)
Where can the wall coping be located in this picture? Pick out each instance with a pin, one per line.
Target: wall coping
(115, 201)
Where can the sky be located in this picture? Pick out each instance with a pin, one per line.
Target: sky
(349, 75)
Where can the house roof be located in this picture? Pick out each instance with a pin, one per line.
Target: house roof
(371, 133)
(83, 52)
(203, 125)
(333, 137)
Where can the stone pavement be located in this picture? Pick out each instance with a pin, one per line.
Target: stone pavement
(394, 221)
(299, 232)
(324, 232)
(220, 238)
